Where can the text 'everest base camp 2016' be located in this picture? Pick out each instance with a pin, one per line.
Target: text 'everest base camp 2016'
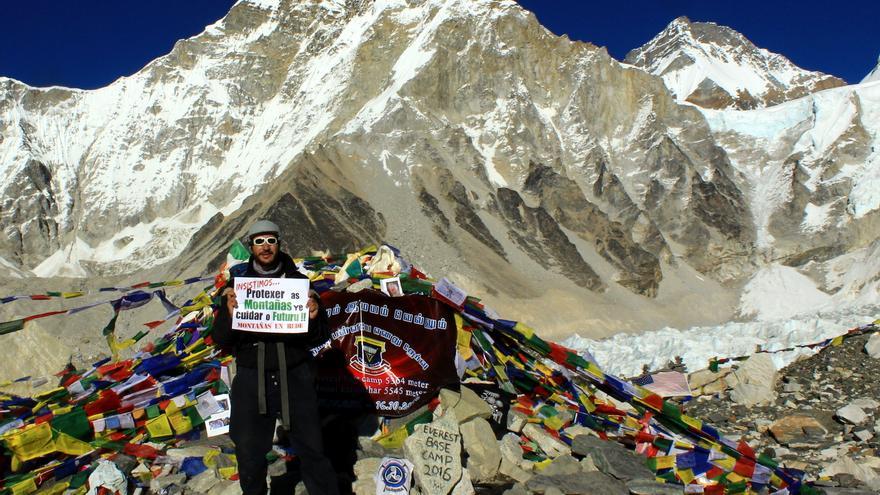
(541, 269)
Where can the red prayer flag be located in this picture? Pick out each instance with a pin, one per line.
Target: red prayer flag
(745, 449)
(744, 467)
(43, 315)
(108, 401)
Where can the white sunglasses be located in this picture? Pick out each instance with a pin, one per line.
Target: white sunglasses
(259, 241)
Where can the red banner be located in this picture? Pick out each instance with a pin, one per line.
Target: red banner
(389, 354)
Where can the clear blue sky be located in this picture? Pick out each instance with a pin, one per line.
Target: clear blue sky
(90, 43)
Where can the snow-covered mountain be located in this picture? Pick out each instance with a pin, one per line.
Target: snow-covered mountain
(716, 67)
(874, 75)
(558, 182)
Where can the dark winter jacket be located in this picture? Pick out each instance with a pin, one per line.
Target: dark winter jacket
(244, 344)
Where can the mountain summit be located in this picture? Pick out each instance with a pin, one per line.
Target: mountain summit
(874, 75)
(716, 67)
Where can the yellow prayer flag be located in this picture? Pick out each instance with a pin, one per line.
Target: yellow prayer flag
(67, 444)
(47, 395)
(227, 472)
(198, 357)
(594, 370)
(664, 461)
(56, 489)
(632, 423)
(463, 338)
(541, 465)
(195, 344)
(554, 423)
(24, 487)
(159, 427)
(685, 475)
(201, 301)
(543, 369)
(837, 341)
(71, 295)
(180, 423)
(734, 478)
(726, 464)
(586, 402)
(58, 409)
(499, 370)
(525, 330)
(393, 440)
(210, 458)
(30, 442)
(692, 422)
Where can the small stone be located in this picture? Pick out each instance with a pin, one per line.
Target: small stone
(852, 414)
(586, 483)
(872, 347)
(466, 404)
(866, 403)
(612, 458)
(863, 435)
(793, 428)
(367, 468)
(202, 482)
(513, 471)
(792, 387)
(484, 454)
(516, 420)
(552, 446)
(517, 489)
(651, 487)
(564, 464)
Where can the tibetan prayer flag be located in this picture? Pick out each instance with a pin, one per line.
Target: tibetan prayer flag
(159, 427)
(30, 442)
(69, 445)
(11, 326)
(74, 423)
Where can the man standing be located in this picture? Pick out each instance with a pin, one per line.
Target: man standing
(274, 377)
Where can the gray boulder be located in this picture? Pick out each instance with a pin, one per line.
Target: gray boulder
(612, 458)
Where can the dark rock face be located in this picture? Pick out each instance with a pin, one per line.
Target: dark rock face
(431, 209)
(539, 234)
(32, 232)
(563, 199)
(465, 215)
(710, 95)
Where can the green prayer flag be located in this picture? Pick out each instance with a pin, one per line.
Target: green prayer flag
(239, 252)
(11, 326)
(111, 325)
(354, 269)
(79, 479)
(75, 423)
(194, 417)
(424, 418)
(153, 411)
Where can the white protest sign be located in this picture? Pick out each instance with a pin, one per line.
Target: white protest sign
(276, 305)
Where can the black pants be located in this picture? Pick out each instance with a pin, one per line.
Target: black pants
(252, 432)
